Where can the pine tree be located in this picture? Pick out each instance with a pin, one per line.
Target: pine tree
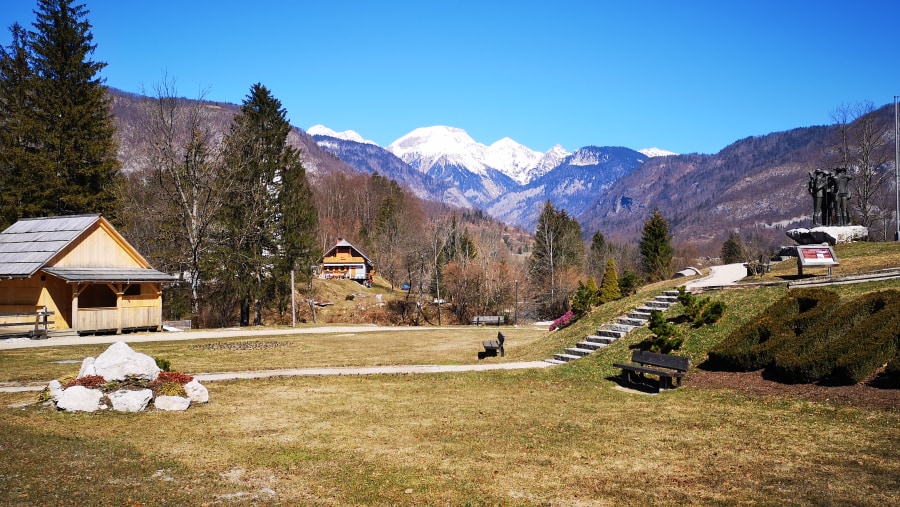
(77, 168)
(733, 249)
(18, 161)
(267, 225)
(609, 287)
(656, 251)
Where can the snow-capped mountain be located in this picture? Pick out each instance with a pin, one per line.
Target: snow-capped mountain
(508, 180)
(347, 135)
(425, 147)
(656, 152)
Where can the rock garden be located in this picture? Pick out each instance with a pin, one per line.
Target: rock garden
(124, 380)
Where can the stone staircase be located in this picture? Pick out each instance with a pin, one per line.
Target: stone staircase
(610, 332)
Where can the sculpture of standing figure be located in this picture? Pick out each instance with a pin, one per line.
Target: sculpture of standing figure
(817, 183)
(842, 195)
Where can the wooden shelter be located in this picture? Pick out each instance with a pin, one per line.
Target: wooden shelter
(80, 269)
(345, 261)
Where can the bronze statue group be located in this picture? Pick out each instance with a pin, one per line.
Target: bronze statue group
(830, 191)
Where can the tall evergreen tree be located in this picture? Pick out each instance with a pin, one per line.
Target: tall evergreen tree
(558, 249)
(733, 249)
(78, 171)
(656, 250)
(18, 130)
(268, 223)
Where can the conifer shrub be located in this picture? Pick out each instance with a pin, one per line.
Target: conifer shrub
(754, 344)
(875, 350)
(700, 311)
(849, 330)
(666, 336)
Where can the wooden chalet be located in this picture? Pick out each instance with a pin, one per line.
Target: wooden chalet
(345, 261)
(81, 270)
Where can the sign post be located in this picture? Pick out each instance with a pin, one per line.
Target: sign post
(816, 256)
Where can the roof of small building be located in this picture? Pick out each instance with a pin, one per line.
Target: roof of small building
(343, 242)
(29, 244)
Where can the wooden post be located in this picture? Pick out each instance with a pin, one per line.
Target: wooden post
(75, 293)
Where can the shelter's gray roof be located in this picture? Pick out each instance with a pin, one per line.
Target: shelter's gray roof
(127, 275)
(27, 245)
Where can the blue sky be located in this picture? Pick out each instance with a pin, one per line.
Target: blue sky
(682, 76)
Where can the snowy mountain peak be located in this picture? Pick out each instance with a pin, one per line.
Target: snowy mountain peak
(425, 146)
(656, 152)
(347, 135)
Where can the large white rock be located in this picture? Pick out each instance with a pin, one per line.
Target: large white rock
(832, 235)
(87, 367)
(196, 391)
(80, 399)
(56, 390)
(124, 400)
(120, 360)
(173, 403)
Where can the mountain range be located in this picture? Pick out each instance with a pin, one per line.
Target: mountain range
(756, 185)
(509, 181)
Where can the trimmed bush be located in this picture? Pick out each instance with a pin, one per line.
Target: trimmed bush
(813, 356)
(754, 344)
(871, 353)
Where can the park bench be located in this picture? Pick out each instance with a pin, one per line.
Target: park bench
(665, 366)
(21, 319)
(487, 319)
(491, 347)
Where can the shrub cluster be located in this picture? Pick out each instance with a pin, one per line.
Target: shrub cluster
(700, 311)
(807, 337)
(753, 345)
(667, 338)
(566, 319)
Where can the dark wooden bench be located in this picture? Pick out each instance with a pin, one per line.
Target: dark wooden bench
(670, 369)
(487, 319)
(491, 347)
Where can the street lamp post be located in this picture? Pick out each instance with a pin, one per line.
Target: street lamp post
(517, 303)
(897, 167)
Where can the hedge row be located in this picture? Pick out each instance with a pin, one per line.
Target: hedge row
(754, 345)
(813, 355)
(806, 337)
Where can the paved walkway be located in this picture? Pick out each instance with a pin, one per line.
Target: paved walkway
(718, 276)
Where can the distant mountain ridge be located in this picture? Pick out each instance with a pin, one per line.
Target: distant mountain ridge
(507, 179)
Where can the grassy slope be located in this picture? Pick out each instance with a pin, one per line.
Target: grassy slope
(563, 436)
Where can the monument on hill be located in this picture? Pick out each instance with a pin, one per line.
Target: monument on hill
(832, 223)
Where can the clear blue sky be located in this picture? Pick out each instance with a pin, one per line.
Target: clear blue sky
(682, 76)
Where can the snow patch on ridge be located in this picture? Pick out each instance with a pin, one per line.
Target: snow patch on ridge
(656, 152)
(347, 135)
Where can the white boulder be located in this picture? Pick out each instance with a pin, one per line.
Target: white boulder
(124, 400)
(172, 403)
(56, 390)
(120, 361)
(196, 391)
(87, 367)
(80, 399)
(833, 235)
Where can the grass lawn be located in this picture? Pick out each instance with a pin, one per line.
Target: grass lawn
(560, 436)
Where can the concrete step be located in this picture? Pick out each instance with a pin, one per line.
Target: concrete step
(627, 321)
(578, 351)
(621, 328)
(611, 333)
(554, 361)
(605, 340)
(671, 293)
(667, 299)
(592, 346)
(658, 305)
(636, 314)
(565, 357)
(645, 309)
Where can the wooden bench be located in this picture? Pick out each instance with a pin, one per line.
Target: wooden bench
(665, 366)
(487, 319)
(491, 347)
(39, 319)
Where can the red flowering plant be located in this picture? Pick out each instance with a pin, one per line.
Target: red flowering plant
(566, 319)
